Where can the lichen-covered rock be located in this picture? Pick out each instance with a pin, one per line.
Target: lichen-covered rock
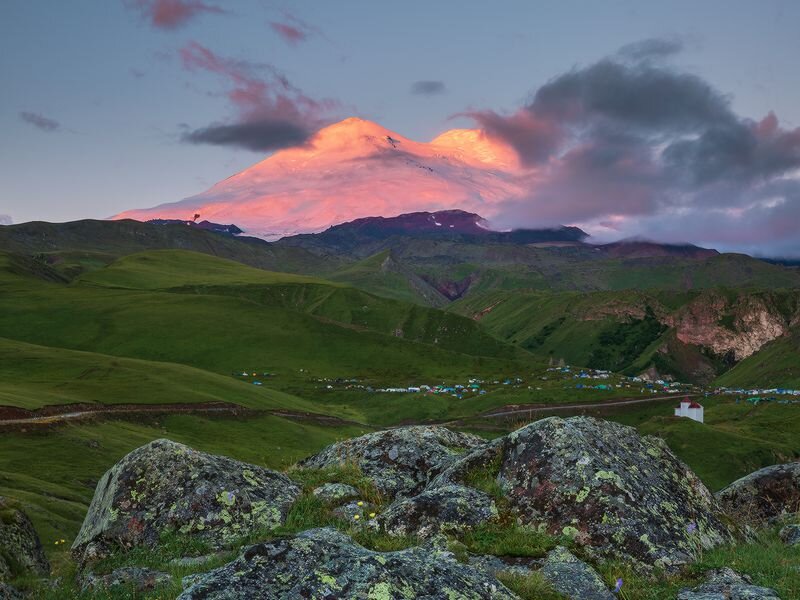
(8, 592)
(399, 461)
(444, 509)
(139, 578)
(325, 563)
(21, 550)
(727, 584)
(165, 486)
(517, 565)
(790, 534)
(620, 495)
(481, 459)
(335, 492)
(764, 495)
(573, 578)
(355, 513)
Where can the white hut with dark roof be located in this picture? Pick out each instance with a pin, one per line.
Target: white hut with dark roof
(690, 409)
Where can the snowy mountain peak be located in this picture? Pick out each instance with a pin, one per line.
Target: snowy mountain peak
(351, 169)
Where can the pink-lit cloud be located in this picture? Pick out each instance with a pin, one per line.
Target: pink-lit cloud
(271, 113)
(171, 14)
(292, 35)
(631, 145)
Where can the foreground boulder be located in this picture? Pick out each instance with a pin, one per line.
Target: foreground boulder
(727, 584)
(165, 486)
(20, 548)
(573, 578)
(325, 563)
(400, 461)
(764, 495)
(9, 593)
(447, 509)
(621, 495)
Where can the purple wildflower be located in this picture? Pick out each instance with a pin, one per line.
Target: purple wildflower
(618, 587)
(230, 496)
(691, 527)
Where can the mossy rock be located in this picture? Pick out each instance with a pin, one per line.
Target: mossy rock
(400, 462)
(325, 563)
(21, 550)
(763, 496)
(166, 487)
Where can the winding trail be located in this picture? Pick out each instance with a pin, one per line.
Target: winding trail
(537, 408)
(15, 418)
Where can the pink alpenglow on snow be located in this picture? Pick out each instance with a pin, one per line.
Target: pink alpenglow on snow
(353, 169)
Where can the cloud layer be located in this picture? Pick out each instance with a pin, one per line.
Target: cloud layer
(171, 14)
(428, 88)
(40, 121)
(631, 146)
(270, 113)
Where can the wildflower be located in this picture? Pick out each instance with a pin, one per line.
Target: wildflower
(360, 503)
(371, 515)
(691, 527)
(618, 587)
(56, 542)
(356, 517)
(63, 541)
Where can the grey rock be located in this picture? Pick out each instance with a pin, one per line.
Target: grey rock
(727, 584)
(349, 511)
(165, 486)
(139, 578)
(573, 578)
(399, 461)
(620, 495)
(335, 492)
(8, 592)
(493, 565)
(790, 534)
(325, 563)
(450, 508)
(21, 550)
(764, 495)
(194, 561)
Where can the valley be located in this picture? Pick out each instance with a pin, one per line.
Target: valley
(110, 341)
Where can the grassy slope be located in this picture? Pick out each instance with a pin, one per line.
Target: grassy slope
(163, 269)
(80, 246)
(316, 332)
(54, 473)
(777, 364)
(33, 376)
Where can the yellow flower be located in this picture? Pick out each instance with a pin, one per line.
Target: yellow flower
(56, 542)
(356, 517)
(63, 541)
(371, 515)
(360, 503)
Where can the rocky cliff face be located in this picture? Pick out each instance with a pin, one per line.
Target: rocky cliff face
(737, 326)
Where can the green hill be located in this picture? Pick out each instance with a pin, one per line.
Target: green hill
(34, 376)
(247, 323)
(79, 246)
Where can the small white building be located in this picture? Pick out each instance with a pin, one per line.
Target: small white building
(689, 409)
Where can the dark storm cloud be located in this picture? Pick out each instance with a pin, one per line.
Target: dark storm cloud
(628, 138)
(261, 136)
(428, 88)
(171, 14)
(39, 121)
(271, 113)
